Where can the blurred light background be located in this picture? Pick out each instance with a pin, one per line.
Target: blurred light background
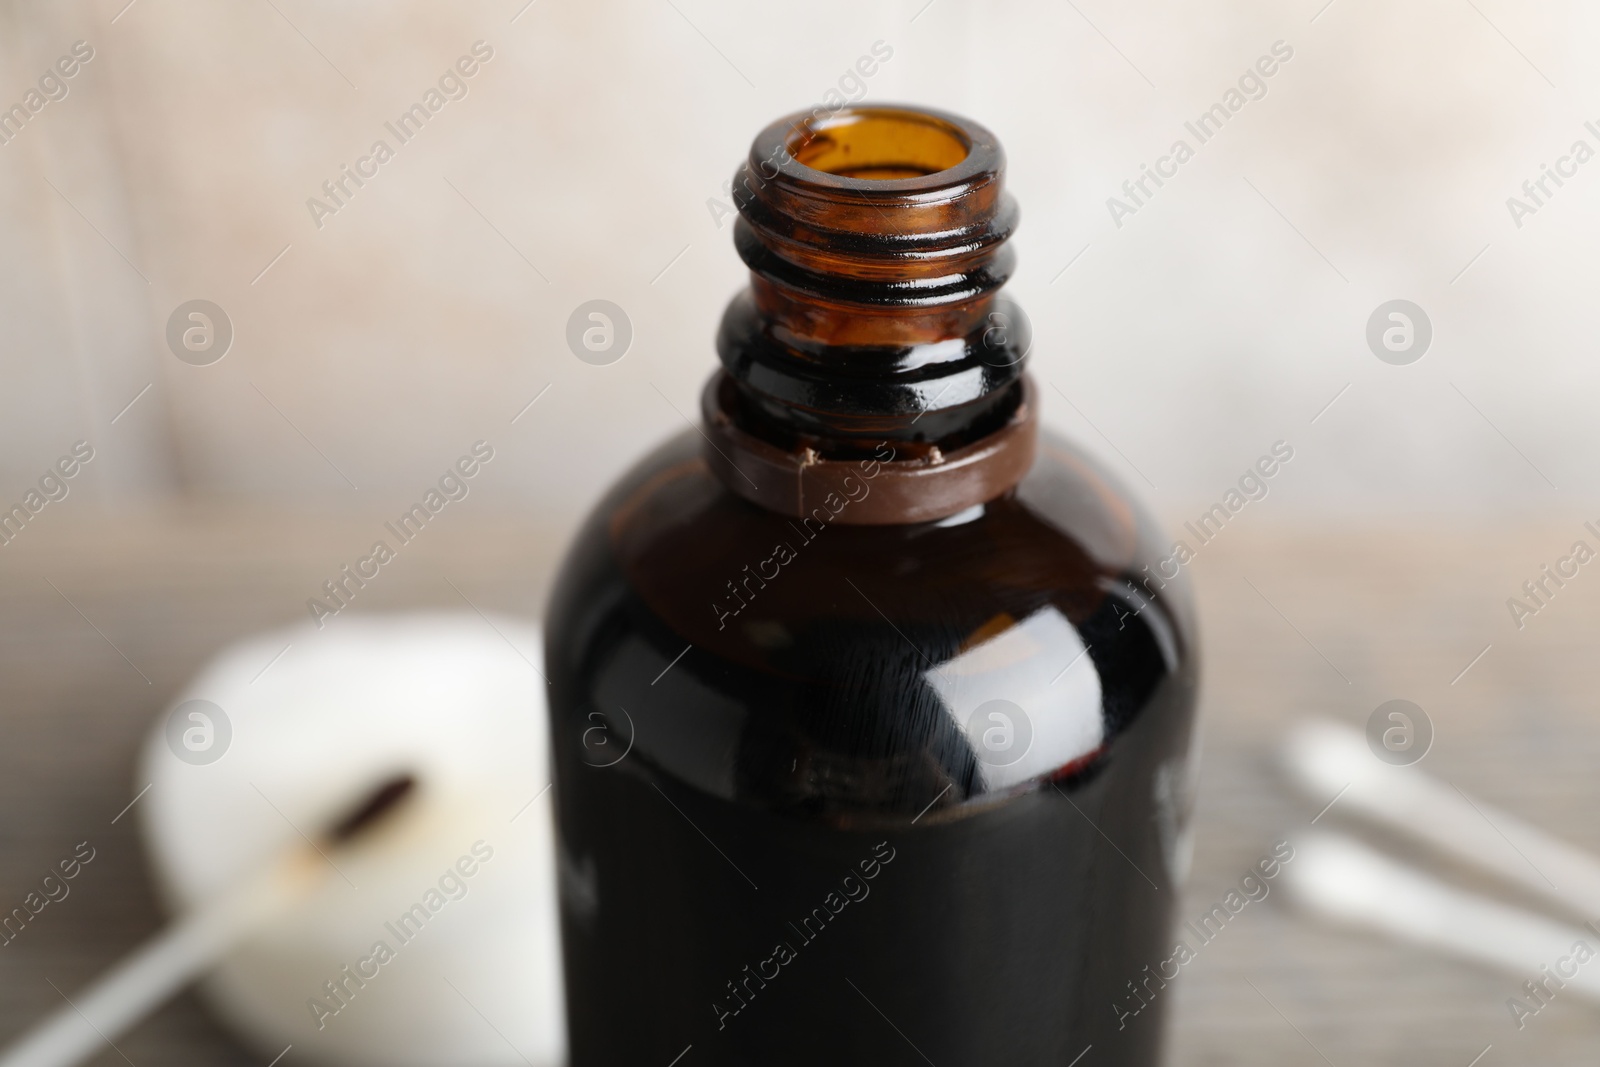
(587, 160)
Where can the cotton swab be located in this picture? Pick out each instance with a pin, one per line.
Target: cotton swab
(1343, 880)
(169, 961)
(1331, 761)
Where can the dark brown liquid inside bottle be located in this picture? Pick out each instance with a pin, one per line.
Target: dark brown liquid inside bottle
(871, 712)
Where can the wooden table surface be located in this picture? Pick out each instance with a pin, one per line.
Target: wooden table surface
(1298, 620)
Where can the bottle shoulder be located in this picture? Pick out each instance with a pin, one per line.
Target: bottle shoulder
(864, 668)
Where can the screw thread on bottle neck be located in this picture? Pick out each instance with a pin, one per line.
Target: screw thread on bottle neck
(876, 241)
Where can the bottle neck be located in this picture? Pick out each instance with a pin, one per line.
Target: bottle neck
(873, 325)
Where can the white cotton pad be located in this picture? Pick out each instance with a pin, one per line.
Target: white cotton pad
(472, 974)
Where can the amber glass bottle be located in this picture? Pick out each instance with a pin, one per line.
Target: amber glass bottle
(871, 711)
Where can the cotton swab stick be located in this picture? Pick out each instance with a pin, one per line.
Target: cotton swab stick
(176, 956)
(1328, 761)
(1349, 882)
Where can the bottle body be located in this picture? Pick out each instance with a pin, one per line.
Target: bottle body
(885, 793)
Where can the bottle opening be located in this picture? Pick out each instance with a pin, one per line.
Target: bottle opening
(879, 145)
